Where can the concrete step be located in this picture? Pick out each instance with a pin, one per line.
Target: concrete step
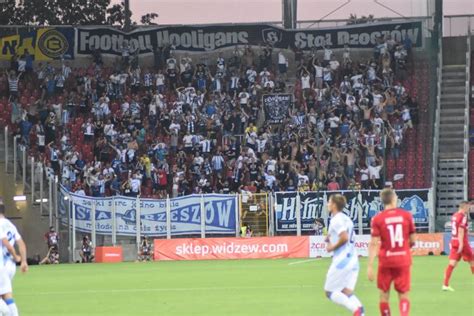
(452, 120)
(450, 153)
(451, 163)
(454, 139)
(456, 89)
(459, 76)
(453, 111)
(450, 105)
(456, 134)
(453, 67)
(453, 82)
(454, 98)
(450, 126)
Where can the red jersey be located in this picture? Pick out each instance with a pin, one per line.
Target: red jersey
(394, 227)
(458, 222)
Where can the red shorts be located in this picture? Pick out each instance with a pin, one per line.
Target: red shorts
(399, 276)
(466, 253)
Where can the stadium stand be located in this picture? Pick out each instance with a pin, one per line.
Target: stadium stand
(185, 127)
(471, 135)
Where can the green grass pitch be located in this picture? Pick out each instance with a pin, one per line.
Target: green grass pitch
(244, 287)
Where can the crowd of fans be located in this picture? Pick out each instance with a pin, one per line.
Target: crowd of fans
(192, 124)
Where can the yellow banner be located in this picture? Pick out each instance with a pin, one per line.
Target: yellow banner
(43, 44)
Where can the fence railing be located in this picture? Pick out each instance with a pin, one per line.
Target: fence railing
(458, 25)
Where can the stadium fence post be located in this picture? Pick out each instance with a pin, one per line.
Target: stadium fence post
(6, 149)
(325, 208)
(32, 180)
(431, 214)
(168, 217)
(237, 217)
(203, 218)
(23, 168)
(298, 214)
(69, 225)
(56, 206)
(138, 224)
(50, 200)
(73, 232)
(360, 213)
(93, 228)
(114, 223)
(41, 176)
(15, 163)
(271, 209)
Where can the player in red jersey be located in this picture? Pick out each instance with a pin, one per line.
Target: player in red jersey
(460, 247)
(393, 234)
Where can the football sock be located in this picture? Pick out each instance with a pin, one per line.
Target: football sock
(342, 299)
(472, 269)
(355, 300)
(384, 309)
(447, 274)
(404, 306)
(12, 306)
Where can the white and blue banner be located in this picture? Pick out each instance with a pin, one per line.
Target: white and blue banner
(185, 214)
(366, 203)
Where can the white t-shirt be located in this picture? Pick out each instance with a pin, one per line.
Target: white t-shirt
(8, 231)
(374, 172)
(318, 71)
(135, 185)
(342, 223)
(377, 99)
(333, 122)
(188, 141)
(305, 82)
(364, 174)
(327, 54)
(281, 59)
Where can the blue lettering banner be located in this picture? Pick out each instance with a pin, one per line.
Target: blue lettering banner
(312, 207)
(185, 214)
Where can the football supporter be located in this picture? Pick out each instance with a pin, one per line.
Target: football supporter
(460, 247)
(146, 252)
(393, 235)
(134, 130)
(86, 250)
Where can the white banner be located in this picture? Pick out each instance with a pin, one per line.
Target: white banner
(317, 246)
(185, 213)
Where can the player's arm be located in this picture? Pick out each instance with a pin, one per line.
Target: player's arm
(343, 239)
(461, 232)
(412, 230)
(22, 249)
(10, 249)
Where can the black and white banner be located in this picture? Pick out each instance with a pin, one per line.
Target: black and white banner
(367, 203)
(108, 40)
(276, 107)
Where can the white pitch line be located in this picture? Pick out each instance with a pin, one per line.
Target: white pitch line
(302, 261)
(184, 289)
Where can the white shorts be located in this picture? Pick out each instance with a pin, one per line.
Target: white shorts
(10, 268)
(5, 283)
(339, 279)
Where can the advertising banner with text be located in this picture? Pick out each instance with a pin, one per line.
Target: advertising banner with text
(108, 40)
(317, 246)
(359, 203)
(231, 248)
